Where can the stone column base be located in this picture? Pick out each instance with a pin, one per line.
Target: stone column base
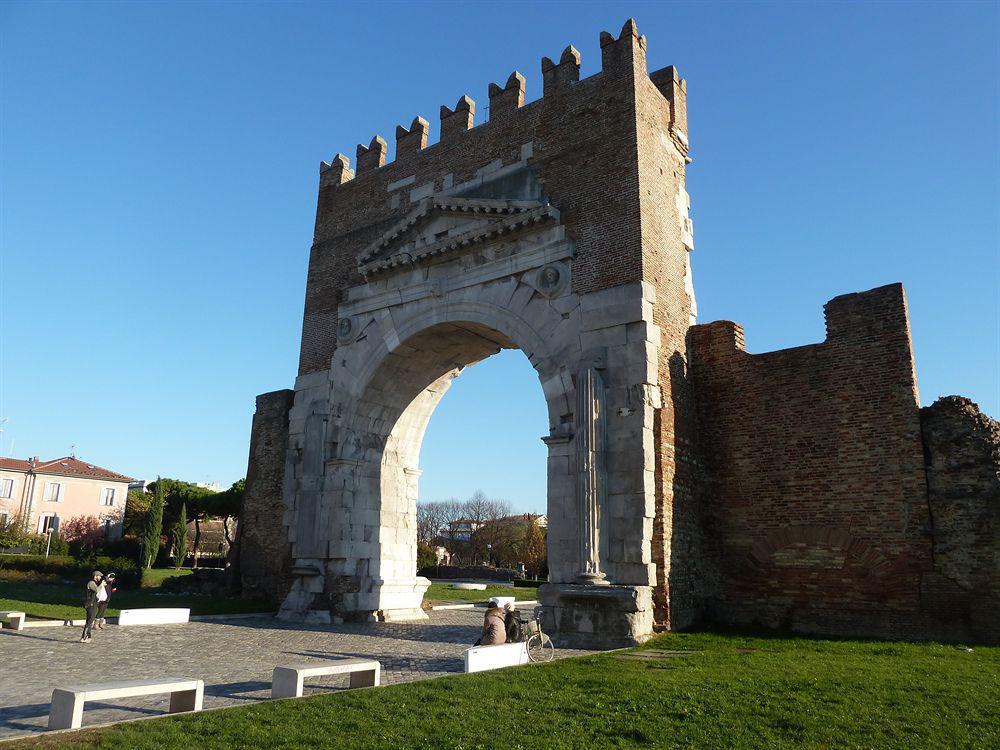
(398, 615)
(309, 581)
(399, 599)
(596, 617)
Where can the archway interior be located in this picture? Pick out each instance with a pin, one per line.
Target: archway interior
(391, 421)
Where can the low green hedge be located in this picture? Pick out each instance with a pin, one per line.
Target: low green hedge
(65, 567)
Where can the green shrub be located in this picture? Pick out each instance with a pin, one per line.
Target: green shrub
(59, 546)
(84, 553)
(25, 567)
(425, 556)
(10, 536)
(125, 547)
(126, 570)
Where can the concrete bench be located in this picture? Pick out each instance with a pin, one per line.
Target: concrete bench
(286, 681)
(153, 616)
(67, 703)
(482, 658)
(14, 620)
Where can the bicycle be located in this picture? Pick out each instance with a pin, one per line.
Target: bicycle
(540, 647)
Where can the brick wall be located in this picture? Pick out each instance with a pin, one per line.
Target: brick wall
(678, 550)
(962, 450)
(265, 553)
(818, 500)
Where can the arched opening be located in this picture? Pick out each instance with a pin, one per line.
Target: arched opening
(484, 437)
(377, 459)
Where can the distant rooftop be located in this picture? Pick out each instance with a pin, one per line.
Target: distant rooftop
(67, 466)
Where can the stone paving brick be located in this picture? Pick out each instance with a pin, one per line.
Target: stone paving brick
(233, 657)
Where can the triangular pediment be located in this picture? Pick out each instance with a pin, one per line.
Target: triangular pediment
(439, 226)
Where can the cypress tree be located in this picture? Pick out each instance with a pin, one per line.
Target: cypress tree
(154, 527)
(181, 537)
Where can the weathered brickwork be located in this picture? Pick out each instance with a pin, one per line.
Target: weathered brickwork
(689, 479)
(962, 448)
(265, 553)
(818, 513)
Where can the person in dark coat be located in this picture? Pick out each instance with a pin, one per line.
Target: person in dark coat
(513, 626)
(90, 603)
(102, 603)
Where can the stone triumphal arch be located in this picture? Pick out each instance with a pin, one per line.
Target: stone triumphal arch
(687, 478)
(462, 275)
(524, 232)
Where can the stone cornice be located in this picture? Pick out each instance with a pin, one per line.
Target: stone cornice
(502, 217)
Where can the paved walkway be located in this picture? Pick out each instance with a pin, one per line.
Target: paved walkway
(233, 657)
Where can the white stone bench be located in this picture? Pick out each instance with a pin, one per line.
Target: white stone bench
(153, 616)
(14, 619)
(482, 658)
(67, 703)
(286, 681)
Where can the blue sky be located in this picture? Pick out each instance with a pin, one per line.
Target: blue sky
(158, 169)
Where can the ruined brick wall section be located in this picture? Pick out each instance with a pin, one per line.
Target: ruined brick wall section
(817, 492)
(678, 552)
(962, 452)
(265, 552)
(582, 136)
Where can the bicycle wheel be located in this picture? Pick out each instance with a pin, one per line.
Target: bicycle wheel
(540, 648)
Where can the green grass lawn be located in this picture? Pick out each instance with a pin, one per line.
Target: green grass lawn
(66, 602)
(442, 593)
(732, 691)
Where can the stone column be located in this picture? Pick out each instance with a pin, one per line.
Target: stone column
(591, 479)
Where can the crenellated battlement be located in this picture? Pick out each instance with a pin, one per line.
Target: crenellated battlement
(457, 121)
(414, 139)
(624, 49)
(372, 156)
(507, 100)
(336, 173)
(566, 73)
(626, 52)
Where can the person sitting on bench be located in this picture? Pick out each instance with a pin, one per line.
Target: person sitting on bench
(494, 632)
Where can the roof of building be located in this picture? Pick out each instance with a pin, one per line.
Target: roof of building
(67, 466)
(16, 464)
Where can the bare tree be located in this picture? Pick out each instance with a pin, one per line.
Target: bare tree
(435, 518)
(485, 515)
(430, 520)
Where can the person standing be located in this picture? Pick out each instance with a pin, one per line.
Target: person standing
(91, 603)
(103, 597)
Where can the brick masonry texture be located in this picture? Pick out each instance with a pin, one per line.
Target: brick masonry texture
(801, 488)
(265, 555)
(819, 516)
(962, 449)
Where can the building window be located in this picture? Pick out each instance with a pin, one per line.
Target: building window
(53, 492)
(4, 519)
(50, 521)
(108, 496)
(6, 488)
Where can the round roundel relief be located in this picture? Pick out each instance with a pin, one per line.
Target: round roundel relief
(346, 328)
(552, 278)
